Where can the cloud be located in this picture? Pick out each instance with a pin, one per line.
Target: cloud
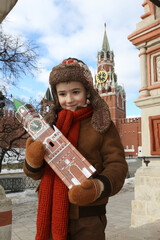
(75, 28)
(128, 71)
(38, 97)
(43, 76)
(26, 89)
(33, 16)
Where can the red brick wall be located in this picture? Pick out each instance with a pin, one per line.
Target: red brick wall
(130, 133)
(129, 129)
(116, 112)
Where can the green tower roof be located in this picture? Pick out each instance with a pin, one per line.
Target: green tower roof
(105, 45)
(48, 95)
(17, 103)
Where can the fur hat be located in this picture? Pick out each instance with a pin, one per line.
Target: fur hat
(73, 69)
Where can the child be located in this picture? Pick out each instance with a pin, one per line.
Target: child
(84, 118)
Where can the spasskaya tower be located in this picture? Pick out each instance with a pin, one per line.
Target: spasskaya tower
(107, 82)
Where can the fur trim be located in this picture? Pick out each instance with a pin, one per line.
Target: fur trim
(76, 70)
(101, 118)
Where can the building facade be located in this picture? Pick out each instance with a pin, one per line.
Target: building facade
(146, 38)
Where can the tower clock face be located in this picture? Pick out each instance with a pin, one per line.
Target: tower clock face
(35, 125)
(101, 76)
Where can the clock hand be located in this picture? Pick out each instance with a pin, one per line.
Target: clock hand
(34, 124)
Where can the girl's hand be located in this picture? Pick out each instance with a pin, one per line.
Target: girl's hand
(35, 151)
(85, 193)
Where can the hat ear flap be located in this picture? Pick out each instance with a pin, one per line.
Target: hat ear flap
(101, 118)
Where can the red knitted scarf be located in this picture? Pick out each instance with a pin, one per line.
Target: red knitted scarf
(53, 205)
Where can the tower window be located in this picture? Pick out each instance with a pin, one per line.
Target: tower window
(109, 89)
(102, 54)
(47, 108)
(103, 90)
(52, 144)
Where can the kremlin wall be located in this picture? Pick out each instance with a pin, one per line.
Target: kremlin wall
(130, 133)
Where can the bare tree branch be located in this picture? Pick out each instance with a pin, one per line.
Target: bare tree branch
(12, 135)
(17, 57)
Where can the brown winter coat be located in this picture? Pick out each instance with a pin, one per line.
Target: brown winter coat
(105, 152)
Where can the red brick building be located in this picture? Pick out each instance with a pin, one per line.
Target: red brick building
(106, 84)
(130, 133)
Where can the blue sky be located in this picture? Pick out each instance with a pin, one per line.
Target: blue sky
(75, 28)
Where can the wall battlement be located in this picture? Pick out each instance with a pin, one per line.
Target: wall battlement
(8, 113)
(129, 120)
(130, 133)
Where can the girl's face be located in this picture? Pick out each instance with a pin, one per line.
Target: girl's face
(71, 95)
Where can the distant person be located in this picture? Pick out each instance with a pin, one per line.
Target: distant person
(84, 118)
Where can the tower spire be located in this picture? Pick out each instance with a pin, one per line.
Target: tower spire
(48, 95)
(105, 44)
(17, 103)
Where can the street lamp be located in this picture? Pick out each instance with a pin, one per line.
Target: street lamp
(5, 8)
